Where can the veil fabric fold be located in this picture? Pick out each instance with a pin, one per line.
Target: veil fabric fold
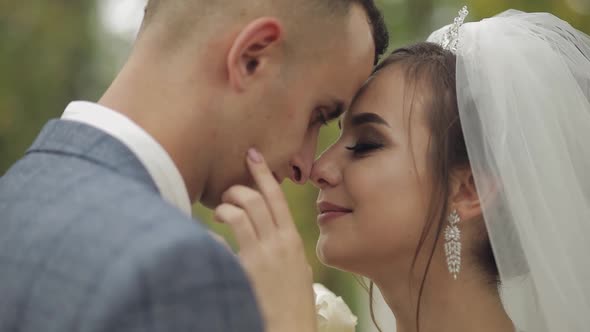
(523, 90)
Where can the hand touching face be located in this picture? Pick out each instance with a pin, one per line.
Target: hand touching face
(271, 250)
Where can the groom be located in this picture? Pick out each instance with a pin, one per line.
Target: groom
(95, 225)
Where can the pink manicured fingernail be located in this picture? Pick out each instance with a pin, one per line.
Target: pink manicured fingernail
(254, 155)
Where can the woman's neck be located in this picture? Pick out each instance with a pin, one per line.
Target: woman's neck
(467, 304)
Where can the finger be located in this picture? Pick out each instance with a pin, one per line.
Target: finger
(255, 206)
(270, 189)
(238, 221)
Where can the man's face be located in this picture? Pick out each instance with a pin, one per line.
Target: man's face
(287, 116)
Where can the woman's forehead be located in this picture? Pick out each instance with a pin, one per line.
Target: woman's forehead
(384, 90)
(390, 94)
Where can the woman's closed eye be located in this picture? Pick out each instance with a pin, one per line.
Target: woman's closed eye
(362, 148)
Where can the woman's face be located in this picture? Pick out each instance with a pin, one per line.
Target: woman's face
(374, 183)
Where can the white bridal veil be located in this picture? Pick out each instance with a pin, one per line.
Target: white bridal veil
(523, 89)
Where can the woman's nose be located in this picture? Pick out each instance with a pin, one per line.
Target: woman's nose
(325, 171)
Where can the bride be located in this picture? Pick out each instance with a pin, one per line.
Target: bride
(460, 186)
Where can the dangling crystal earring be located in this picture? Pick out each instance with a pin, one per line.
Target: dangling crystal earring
(453, 244)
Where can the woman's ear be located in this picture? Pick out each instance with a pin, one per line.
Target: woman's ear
(463, 194)
(251, 51)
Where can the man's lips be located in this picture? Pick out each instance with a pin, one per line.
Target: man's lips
(329, 211)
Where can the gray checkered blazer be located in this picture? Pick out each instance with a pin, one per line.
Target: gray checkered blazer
(87, 244)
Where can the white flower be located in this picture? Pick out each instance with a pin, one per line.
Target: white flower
(333, 314)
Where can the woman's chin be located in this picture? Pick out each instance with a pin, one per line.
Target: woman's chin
(336, 256)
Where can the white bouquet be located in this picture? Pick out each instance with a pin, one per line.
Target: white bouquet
(333, 314)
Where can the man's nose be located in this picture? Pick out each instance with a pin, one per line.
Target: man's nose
(300, 169)
(302, 162)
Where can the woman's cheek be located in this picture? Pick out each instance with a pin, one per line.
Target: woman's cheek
(389, 206)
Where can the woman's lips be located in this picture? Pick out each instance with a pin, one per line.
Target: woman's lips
(329, 211)
(327, 216)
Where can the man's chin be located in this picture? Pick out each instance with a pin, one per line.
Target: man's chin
(211, 197)
(210, 203)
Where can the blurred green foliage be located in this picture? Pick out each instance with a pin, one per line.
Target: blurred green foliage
(48, 56)
(52, 52)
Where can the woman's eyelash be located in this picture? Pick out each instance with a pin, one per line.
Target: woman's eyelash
(364, 147)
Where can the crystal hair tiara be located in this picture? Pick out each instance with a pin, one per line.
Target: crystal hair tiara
(450, 39)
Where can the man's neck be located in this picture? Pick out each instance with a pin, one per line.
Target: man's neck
(157, 101)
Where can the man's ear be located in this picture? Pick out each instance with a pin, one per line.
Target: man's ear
(463, 194)
(252, 50)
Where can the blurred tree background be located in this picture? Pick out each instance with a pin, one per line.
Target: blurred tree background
(52, 52)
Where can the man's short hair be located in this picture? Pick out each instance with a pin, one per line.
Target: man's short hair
(186, 15)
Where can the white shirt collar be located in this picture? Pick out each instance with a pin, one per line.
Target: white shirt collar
(152, 155)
